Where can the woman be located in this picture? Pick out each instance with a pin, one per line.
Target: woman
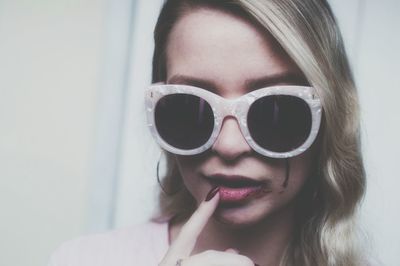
(255, 106)
(307, 214)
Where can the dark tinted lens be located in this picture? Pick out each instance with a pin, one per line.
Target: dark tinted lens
(184, 121)
(279, 123)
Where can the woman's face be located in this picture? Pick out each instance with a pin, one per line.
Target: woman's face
(230, 57)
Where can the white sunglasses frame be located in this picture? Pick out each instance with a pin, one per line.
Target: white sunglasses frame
(237, 108)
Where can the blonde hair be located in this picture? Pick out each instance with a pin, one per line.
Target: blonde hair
(326, 232)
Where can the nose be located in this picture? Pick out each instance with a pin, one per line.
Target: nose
(230, 143)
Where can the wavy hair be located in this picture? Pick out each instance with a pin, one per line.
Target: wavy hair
(326, 232)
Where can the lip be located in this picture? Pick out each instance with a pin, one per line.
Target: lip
(236, 188)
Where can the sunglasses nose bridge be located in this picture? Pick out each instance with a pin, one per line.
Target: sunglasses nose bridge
(230, 108)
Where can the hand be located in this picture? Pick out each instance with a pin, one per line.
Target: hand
(186, 240)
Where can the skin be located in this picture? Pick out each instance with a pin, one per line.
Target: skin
(229, 56)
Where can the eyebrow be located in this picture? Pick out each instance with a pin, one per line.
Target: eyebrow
(289, 78)
(250, 84)
(188, 80)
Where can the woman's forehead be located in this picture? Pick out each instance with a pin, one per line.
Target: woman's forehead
(212, 45)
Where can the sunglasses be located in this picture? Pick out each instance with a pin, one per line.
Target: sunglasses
(277, 121)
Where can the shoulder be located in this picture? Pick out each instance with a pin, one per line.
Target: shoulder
(373, 262)
(371, 259)
(126, 246)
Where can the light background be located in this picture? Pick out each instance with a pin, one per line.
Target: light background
(75, 156)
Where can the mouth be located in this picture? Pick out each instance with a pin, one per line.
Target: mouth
(236, 188)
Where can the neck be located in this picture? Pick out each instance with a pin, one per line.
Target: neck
(264, 242)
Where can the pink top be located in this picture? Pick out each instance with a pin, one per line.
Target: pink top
(142, 244)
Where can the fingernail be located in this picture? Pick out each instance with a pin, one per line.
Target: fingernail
(232, 250)
(212, 193)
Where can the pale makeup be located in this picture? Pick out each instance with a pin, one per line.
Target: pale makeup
(230, 57)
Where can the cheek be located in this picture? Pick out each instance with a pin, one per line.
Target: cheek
(300, 170)
(284, 197)
(192, 179)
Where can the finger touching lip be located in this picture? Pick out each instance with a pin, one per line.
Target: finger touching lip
(236, 188)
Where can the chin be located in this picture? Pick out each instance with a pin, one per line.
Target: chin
(250, 215)
(238, 217)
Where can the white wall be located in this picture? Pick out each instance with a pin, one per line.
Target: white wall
(49, 73)
(373, 40)
(137, 185)
(378, 64)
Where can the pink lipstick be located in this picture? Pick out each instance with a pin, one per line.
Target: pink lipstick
(228, 194)
(235, 188)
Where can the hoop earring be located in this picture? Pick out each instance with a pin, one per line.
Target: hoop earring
(159, 182)
(158, 177)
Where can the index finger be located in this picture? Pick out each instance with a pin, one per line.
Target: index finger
(186, 240)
